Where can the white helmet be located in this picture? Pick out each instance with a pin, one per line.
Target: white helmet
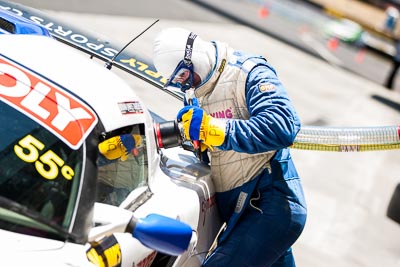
(169, 50)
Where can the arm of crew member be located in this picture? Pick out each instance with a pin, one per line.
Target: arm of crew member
(273, 122)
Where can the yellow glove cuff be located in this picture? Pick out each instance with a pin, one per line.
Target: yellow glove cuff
(214, 131)
(138, 139)
(113, 148)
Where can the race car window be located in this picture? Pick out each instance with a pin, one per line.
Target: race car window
(121, 172)
(39, 175)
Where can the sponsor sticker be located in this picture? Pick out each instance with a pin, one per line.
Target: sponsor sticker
(222, 67)
(130, 107)
(240, 202)
(266, 87)
(53, 107)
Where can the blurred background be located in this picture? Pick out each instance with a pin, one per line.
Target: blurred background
(335, 59)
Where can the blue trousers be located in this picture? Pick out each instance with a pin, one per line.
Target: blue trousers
(266, 230)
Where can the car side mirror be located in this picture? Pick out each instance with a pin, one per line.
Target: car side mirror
(154, 231)
(161, 233)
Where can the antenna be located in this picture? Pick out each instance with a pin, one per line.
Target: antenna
(108, 64)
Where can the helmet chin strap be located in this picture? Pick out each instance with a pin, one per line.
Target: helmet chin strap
(189, 48)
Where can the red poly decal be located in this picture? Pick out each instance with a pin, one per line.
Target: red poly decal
(49, 105)
(146, 262)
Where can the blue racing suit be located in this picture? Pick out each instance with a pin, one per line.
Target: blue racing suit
(259, 193)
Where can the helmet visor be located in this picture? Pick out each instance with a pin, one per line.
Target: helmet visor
(182, 77)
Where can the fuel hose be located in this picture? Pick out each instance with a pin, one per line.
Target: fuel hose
(347, 139)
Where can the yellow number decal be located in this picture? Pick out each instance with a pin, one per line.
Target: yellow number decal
(52, 161)
(32, 145)
(47, 164)
(67, 172)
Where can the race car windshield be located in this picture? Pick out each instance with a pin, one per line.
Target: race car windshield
(39, 176)
(120, 174)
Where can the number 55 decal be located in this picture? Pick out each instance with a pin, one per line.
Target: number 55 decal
(28, 150)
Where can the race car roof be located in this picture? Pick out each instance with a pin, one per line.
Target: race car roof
(107, 94)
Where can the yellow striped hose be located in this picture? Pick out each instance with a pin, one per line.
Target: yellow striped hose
(352, 139)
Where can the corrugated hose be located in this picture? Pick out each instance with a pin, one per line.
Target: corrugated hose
(351, 139)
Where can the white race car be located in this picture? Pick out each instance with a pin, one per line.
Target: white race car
(62, 202)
